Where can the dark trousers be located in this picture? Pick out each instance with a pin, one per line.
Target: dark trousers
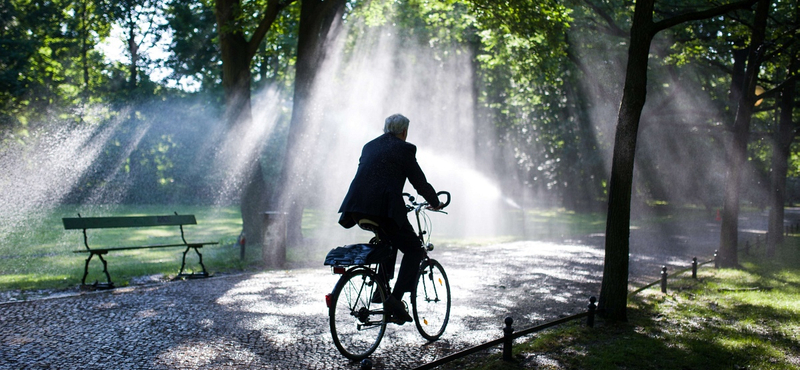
(406, 240)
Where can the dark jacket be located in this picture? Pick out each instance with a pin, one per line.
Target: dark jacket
(386, 162)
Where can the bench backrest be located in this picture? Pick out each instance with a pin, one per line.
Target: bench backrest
(129, 221)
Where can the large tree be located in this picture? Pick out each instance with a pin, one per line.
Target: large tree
(786, 132)
(614, 288)
(318, 21)
(238, 51)
(783, 137)
(737, 154)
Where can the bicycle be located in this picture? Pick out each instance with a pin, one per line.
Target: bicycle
(355, 309)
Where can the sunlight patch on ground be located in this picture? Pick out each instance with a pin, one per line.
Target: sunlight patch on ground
(198, 354)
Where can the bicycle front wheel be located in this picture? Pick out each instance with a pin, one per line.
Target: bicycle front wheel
(431, 300)
(357, 324)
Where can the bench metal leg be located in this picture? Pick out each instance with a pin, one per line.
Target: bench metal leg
(107, 285)
(203, 274)
(86, 269)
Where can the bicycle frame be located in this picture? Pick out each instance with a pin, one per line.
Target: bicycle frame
(365, 274)
(420, 208)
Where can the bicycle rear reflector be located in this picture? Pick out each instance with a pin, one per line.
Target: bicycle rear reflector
(328, 299)
(338, 270)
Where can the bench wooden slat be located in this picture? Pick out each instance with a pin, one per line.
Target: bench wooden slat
(199, 245)
(71, 223)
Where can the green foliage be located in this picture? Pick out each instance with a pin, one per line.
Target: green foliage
(547, 75)
(274, 63)
(195, 50)
(52, 64)
(531, 90)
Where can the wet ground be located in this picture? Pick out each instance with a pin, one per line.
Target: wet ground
(278, 319)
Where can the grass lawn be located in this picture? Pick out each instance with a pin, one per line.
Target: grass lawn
(746, 318)
(36, 253)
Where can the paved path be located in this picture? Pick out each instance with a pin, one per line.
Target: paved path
(278, 319)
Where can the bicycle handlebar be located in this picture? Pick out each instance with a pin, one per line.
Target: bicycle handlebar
(448, 198)
(414, 203)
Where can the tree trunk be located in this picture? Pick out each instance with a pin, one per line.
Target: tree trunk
(133, 50)
(236, 86)
(614, 289)
(84, 56)
(237, 53)
(781, 147)
(316, 20)
(737, 154)
(235, 64)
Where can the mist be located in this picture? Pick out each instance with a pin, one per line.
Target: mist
(369, 74)
(384, 74)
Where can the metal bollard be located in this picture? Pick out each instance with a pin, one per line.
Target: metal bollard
(592, 309)
(694, 268)
(663, 279)
(507, 339)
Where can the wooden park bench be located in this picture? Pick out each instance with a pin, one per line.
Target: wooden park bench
(86, 223)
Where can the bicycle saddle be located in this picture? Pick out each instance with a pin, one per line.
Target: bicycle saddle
(370, 225)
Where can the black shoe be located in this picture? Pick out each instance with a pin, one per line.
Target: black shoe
(397, 310)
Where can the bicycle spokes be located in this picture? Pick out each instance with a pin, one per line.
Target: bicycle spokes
(431, 300)
(353, 315)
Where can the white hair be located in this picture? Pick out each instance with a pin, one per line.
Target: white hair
(395, 124)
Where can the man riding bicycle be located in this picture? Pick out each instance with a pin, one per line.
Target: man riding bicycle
(376, 194)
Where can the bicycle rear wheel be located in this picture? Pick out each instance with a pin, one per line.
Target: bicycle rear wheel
(357, 324)
(431, 300)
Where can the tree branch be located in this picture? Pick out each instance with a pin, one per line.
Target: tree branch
(722, 66)
(613, 29)
(774, 91)
(784, 46)
(273, 8)
(703, 14)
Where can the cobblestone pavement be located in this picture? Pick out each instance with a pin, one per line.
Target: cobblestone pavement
(278, 319)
